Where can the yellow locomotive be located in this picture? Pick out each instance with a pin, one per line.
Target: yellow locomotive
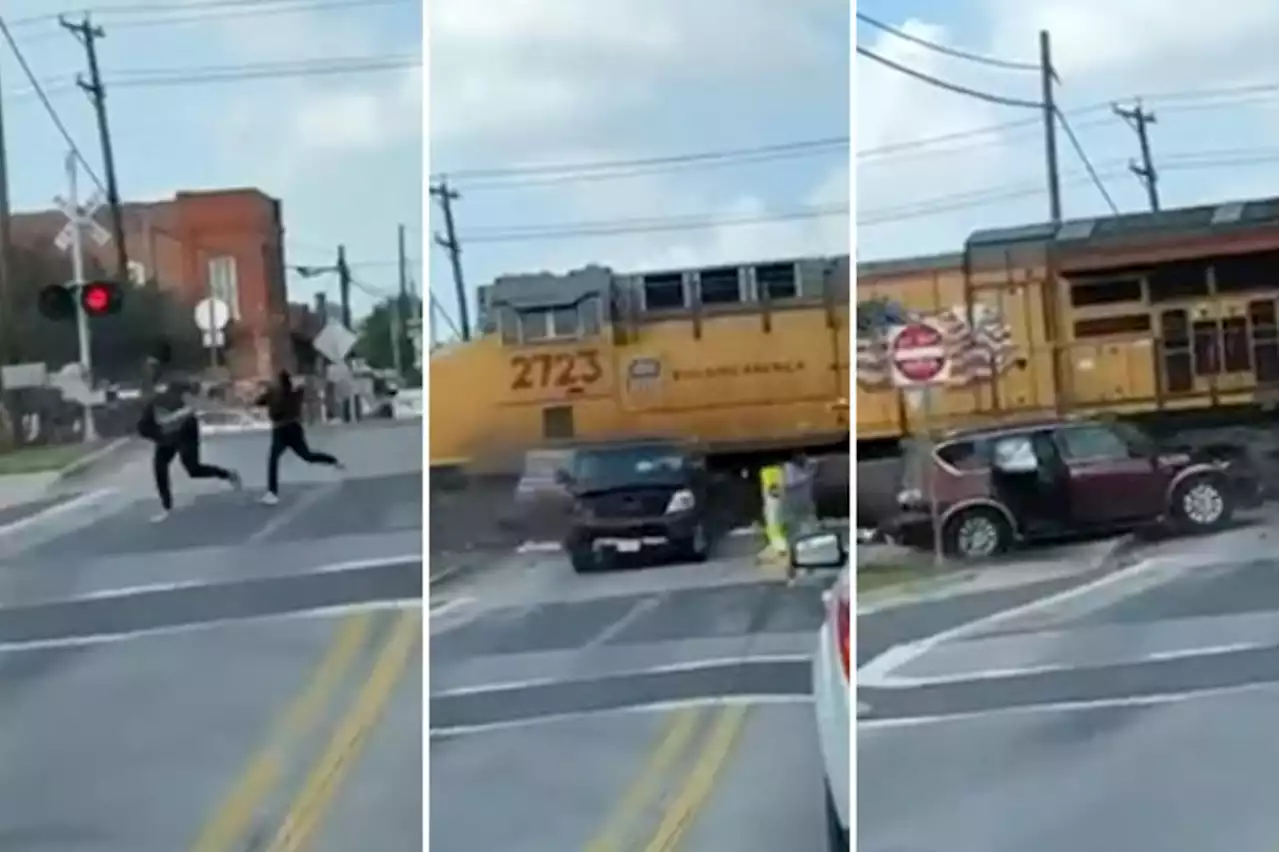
(739, 359)
(1155, 315)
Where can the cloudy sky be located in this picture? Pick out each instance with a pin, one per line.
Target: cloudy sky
(1207, 70)
(515, 84)
(343, 149)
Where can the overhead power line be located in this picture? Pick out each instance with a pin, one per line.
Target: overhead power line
(1084, 158)
(205, 8)
(578, 169)
(945, 50)
(621, 227)
(951, 87)
(39, 92)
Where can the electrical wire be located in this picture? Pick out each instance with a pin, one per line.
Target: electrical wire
(609, 165)
(127, 9)
(641, 226)
(1084, 158)
(951, 87)
(48, 107)
(947, 51)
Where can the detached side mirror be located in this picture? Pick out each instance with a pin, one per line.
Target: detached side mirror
(821, 550)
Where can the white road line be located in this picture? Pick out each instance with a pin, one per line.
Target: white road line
(93, 639)
(58, 509)
(640, 608)
(188, 585)
(878, 672)
(444, 607)
(1052, 668)
(869, 725)
(670, 668)
(292, 513)
(630, 709)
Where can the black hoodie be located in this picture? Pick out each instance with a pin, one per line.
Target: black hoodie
(283, 401)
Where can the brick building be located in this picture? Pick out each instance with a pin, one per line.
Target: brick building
(225, 243)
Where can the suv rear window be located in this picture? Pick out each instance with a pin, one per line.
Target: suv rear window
(966, 455)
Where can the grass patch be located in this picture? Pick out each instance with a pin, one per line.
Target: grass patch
(41, 459)
(871, 579)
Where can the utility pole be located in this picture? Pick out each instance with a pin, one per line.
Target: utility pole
(449, 241)
(77, 284)
(1139, 119)
(344, 297)
(1047, 78)
(88, 35)
(400, 306)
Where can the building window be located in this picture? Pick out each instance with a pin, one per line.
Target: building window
(224, 283)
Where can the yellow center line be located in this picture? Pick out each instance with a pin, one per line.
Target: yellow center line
(229, 823)
(304, 817)
(701, 780)
(678, 733)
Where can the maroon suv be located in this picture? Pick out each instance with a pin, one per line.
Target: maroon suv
(995, 487)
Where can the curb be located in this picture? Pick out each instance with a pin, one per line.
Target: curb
(1118, 555)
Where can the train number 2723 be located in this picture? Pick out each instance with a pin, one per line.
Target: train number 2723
(561, 370)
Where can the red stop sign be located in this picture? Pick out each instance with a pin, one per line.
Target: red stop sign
(919, 353)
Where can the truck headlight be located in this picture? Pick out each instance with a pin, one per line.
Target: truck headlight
(681, 501)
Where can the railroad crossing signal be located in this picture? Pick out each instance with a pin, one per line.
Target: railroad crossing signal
(99, 298)
(918, 355)
(81, 216)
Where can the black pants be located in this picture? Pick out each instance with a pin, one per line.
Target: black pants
(186, 446)
(290, 436)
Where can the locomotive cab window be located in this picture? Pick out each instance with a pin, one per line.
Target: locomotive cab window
(559, 323)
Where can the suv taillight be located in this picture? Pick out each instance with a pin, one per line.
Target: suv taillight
(840, 623)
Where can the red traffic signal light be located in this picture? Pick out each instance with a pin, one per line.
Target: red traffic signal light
(100, 298)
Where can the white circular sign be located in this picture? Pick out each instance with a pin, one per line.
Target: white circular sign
(212, 315)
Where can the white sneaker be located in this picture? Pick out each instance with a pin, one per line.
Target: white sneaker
(270, 499)
(160, 516)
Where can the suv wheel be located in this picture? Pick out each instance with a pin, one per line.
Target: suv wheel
(977, 533)
(583, 560)
(837, 834)
(1201, 504)
(697, 546)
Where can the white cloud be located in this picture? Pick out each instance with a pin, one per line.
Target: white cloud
(515, 83)
(1104, 50)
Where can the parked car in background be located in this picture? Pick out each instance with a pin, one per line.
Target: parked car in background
(637, 498)
(993, 488)
(831, 680)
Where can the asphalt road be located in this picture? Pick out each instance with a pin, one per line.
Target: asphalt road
(1137, 712)
(182, 685)
(612, 711)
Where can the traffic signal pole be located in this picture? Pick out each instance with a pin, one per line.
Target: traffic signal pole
(77, 285)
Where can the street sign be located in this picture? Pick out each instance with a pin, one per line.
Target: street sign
(335, 341)
(213, 339)
(212, 315)
(918, 355)
(82, 217)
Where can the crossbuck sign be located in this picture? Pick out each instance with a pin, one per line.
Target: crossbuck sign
(81, 217)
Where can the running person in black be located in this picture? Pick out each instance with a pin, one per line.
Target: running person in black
(284, 406)
(169, 422)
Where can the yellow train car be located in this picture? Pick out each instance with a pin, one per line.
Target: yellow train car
(739, 359)
(1152, 315)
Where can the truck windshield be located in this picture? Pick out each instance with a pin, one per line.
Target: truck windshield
(626, 465)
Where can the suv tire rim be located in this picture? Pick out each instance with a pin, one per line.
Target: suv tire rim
(1202, 504)
(699, 540)
(978, 536)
